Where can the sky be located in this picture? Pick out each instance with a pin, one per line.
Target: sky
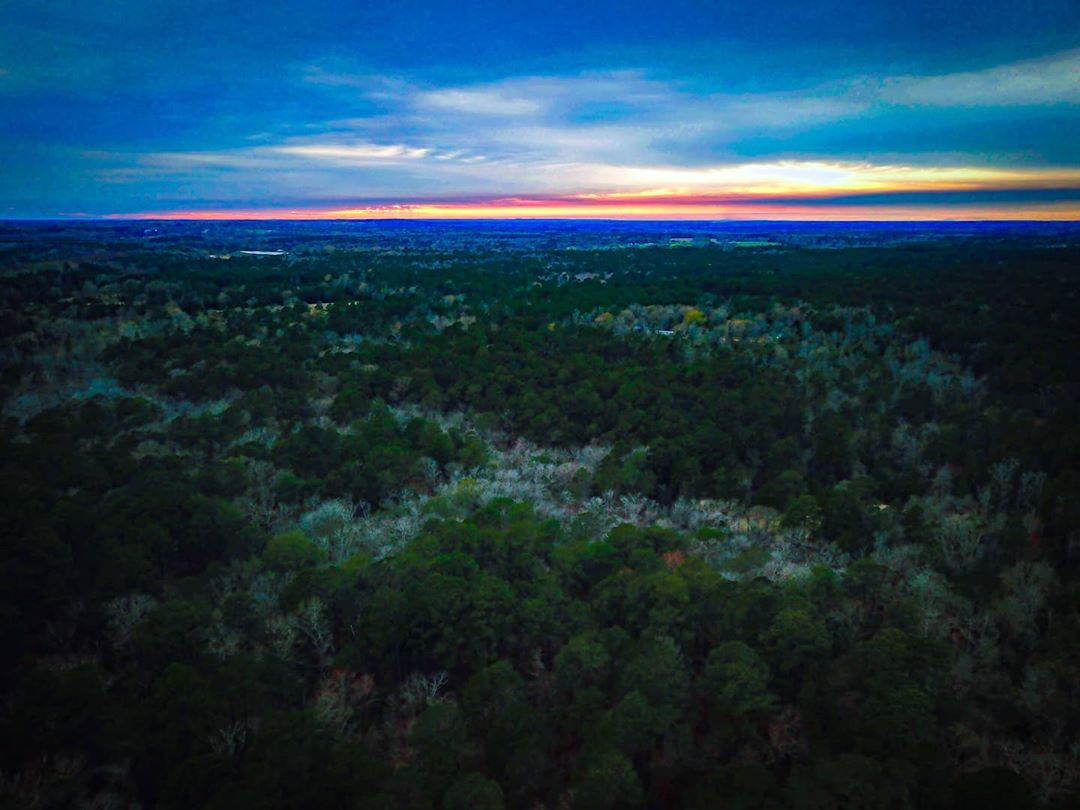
(766, 109)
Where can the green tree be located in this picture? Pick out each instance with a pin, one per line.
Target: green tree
(736, 680)
(796, 641)
(608, 781)
(473, 792)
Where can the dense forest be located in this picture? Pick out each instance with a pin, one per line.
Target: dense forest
(478, 517)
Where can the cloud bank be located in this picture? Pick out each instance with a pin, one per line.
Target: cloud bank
(699, 110)
(617, 143)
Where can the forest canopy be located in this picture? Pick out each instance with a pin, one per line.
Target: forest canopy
(539, 516)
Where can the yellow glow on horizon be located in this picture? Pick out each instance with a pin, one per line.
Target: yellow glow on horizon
(1048, 212)
(809, 178)
(777, 190)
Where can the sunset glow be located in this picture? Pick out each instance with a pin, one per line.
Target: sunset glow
(641, 113)
(540, 210)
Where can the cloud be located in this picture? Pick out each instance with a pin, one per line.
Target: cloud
(600, 137)
(815, 178)
(398, 171)
(629, 117)
(479, 102)
(282, 156)
(1053, 80)
(839, 209)
(356, 153)
(372, 85)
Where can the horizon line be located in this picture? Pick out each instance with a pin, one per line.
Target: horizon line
(125, 218)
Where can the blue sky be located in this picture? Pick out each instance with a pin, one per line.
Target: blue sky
(416, 109)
